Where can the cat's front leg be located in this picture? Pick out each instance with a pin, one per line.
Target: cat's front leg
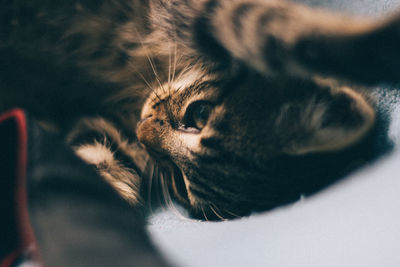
(120, 162)
(283, 38)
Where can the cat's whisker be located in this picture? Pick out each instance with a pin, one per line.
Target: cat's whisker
(168, 102)
(150, 166)
(169, 65)
(184, 70)
(150, 60)
(164, 190)
(216, 213)
(171, 75)
(231, 213)
(148, 85)
(158, 182)
(219, 211)
(169, 50)
(154, 69)
(167, 196)
(175, 62)
(204, 213)
(145, 81)
(141, 76)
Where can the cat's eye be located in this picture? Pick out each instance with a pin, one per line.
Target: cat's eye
(196, 116)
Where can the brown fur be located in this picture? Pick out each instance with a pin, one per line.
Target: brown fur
(248, 70)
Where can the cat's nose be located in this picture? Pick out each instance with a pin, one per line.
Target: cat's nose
(150, 131)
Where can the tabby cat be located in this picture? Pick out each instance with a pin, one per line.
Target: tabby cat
(225, 106)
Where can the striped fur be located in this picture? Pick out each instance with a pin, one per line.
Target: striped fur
(209, 101)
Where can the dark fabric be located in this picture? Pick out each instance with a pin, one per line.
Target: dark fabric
(8, 156)
(16, 235)
(77, 219)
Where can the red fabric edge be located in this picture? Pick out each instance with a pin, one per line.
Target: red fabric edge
(10, 259)
(26, 236)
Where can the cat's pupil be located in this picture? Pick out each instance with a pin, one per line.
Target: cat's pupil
(200, 115)
(196, 116)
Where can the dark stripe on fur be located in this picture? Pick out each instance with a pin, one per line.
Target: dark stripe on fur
(74, 42)
(211, 142)
(273, 52)
(239, 14)
(204, 39)
(125, 160)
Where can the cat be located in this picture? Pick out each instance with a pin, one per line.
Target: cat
(225, 106)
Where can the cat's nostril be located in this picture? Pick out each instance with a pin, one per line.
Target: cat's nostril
(160, 122)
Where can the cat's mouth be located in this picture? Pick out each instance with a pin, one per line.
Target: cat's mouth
(156, 154)
(176, 182)
(175, 179)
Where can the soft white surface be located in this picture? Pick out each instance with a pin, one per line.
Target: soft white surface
(371, 8)
(355, 223)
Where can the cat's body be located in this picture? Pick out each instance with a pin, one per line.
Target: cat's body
(218, 92)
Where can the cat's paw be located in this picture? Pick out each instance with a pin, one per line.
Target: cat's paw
(120, 163)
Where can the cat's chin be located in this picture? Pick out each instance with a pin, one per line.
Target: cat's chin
(157, 155)
(174, 176)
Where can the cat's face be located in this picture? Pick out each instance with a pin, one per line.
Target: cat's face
(230, 140)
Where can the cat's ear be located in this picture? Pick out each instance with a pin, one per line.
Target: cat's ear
(328, 125)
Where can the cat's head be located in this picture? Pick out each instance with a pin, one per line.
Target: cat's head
(244, 143)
